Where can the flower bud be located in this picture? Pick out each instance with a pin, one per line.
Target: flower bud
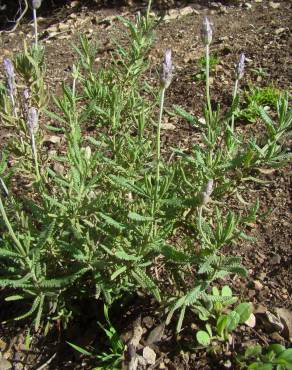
(9, 70)
(36, 4)
(206, 32)
(167, 69)
(32, 120)
(239, 70)
(207, 192)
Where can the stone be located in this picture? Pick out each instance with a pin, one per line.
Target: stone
(274, 5)
(285, 316)
(251, 321)
(156, 334)
(274, 321)
(276, 259)
(277, 337)
(148, 320)
(280, 30)
(247, 5)
(258, 285)
(186, 11)
(5, 364)
(168, 126)
(149, 355)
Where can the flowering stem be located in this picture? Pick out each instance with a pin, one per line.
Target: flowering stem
(148, 10)
(233, 99)
(10, 229)
(35, 157)
(158, 135)
(35, 27)
(208, 80)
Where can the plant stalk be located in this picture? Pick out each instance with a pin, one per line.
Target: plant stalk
(233, 99)
(208, 81)
(158, 154)
(10, 229)
(148, 10)
(35, 157)
(35, 27)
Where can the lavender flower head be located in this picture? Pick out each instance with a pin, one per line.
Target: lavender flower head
(9, 70)
(239, 71)
(167, 70)
(32, 120)
(206, 32)
(36, 4)
(207, 192)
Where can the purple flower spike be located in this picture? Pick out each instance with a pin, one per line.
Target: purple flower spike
(207, 192)
(240, 67)
(206, 32)
(167, 70)
(36, 4)
(32, 120)
(9, 70)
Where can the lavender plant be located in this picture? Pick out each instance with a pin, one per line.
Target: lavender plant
(107, 209)
(35, 5)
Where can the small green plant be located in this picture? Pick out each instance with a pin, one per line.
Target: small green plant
(260, 72)
(107, 360)
(257, 97)
(201, 74)
(275, 356)
(224, 320)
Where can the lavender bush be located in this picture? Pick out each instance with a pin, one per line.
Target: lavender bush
(103, 211)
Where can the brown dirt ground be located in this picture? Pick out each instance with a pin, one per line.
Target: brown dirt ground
(262, 32)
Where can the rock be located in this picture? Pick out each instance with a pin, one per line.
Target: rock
(148, 321)
(247, 5)
(53, 29)
(52, 139)
(251, 321)
(262, 276)
(5, 364)
(215, 5)
(63, 26)
(251, 293)
(258, 1)
(280, 30)
(168, 126)
(58, 168)
(149, 355)
(274, 321)
(258, 285)
(277, 337)
(186, 11)
(227, 364)
(73, 4)
(285, 316)
(223, 10)
(274, 5)
(275, 260)
(156, 334)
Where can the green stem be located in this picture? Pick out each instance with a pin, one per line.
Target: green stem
(35, 27)
(148, 10)
(11, 232)
(233, 99)
(158, 154)
(208, 81)
(35, 157)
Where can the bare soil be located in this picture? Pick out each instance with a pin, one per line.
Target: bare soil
(261, 30)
